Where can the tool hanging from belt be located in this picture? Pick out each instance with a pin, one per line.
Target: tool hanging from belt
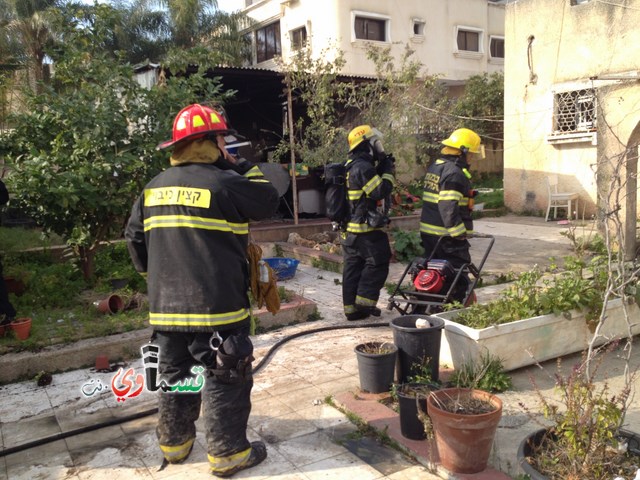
(233, 357)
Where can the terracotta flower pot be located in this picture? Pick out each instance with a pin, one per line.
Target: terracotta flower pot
(21, 327)
(464, 440)
(111, 304)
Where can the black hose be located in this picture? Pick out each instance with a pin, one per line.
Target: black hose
(152, 411)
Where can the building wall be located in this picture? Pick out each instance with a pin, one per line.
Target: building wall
(332, 24)
(553, 46)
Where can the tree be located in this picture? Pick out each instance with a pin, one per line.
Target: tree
(313, 83)
(200, 26)
(83, 149)
(409, 106)
(481, 107)
(28, 24)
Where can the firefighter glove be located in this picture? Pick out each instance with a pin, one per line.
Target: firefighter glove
(387, 165)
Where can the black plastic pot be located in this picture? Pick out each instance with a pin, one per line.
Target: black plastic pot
(408, 403)
(376, 370)
(526, 450)
(417, 347)
(533, 440)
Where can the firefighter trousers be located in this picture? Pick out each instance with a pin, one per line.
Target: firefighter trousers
(455, 251)
(366, 266)
(226, 406)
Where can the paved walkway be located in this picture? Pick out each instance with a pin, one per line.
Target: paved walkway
(306, 436)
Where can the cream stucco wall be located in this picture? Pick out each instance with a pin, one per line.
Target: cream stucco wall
(330, 22)
(570, 44)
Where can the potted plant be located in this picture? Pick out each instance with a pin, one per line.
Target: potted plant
(376, 365)
(539, 317)
(464, 423)
(21, 327)
(412, 407)
(584, 439)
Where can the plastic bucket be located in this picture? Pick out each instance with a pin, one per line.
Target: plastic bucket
(418, 348)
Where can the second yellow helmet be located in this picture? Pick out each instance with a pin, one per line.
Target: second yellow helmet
(464, 138)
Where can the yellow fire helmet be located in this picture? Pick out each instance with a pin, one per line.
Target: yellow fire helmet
(360, 134)
(464, 139)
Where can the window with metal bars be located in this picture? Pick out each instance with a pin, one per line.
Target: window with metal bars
(574, 111)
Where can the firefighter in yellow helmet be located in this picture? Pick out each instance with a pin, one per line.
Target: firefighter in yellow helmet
(366, 250)
(188, 235)
(447, 205)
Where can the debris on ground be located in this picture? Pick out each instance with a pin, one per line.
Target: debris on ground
(324, 241)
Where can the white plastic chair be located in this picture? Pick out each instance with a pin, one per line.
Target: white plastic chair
(560, 199)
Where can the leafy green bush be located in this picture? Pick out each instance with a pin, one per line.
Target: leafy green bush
(407, 245)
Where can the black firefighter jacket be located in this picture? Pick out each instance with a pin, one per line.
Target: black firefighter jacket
(445, 210)
(188, 233)
(365, 187)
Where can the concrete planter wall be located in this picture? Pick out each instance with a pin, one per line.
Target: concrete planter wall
(525, 342)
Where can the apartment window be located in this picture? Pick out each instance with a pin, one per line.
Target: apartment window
(298, 38)
(370, 27)
(574, 111)
(468, 40)
(418, 26)
(268, 42)
(496, 47)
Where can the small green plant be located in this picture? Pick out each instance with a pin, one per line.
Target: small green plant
(486, 374)
(579, 286)
(390, 287)
(407, 245)
(285, 295)
(314, 316)
(421, 372)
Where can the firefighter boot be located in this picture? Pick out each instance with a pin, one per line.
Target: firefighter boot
(243, 460)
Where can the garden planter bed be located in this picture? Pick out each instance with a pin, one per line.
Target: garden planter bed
(525, 342)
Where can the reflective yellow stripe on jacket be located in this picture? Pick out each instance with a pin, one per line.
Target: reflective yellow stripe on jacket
(430, 229)
(359, 227)
(197, 319)
(188, 221)
(254, 174)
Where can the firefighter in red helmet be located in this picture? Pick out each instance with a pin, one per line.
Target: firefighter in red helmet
(188, 234)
